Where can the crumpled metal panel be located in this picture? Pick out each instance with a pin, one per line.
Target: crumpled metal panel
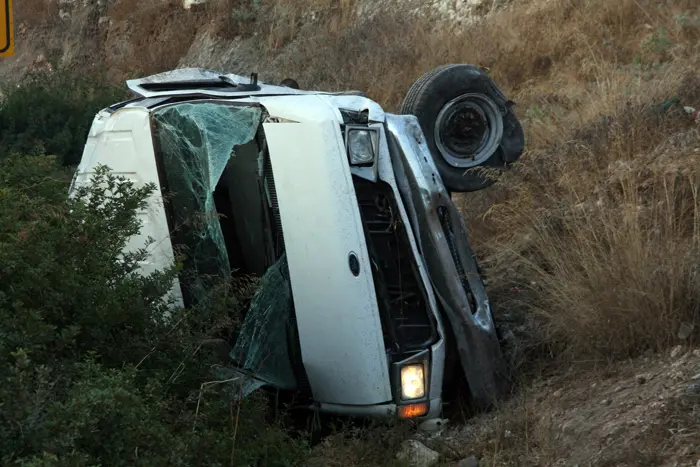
(196, 141)
(430, 208)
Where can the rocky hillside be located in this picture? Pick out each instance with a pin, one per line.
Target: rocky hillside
(126, 37)
(590, 245)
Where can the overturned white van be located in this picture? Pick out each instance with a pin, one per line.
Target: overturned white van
(369, 288)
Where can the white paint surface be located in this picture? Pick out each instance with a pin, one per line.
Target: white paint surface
(337, 314)
(122, 141)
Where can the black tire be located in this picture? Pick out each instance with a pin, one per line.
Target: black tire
(440, 95)
(290, 83)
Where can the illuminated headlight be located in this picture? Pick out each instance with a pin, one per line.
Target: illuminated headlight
(412, 382)
(360, 144)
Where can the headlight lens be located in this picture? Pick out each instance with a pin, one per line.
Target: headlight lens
(412, 382)
(360, 146)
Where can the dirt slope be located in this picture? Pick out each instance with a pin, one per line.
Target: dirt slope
(640, 412)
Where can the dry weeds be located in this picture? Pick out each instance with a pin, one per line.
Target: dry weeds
(370, 446)
(34, 13)
(593, 240)
(603, 416)
(149, 37)
(594, 237)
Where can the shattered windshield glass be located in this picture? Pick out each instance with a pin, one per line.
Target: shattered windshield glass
(196, 140)
(214, 190)
(261, 348)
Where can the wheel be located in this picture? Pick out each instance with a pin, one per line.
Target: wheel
(468, 123)
(290, 83)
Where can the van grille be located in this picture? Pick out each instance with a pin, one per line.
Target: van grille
(407, 323)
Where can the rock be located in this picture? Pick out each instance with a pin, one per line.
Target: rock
(694, 114)
(557, 393)
(188, 4)
(606, 402)
(694, 389)
(677, 351)
(468, 462)
(696, 353)
(640, 379)
(432, 425)
(417, 454)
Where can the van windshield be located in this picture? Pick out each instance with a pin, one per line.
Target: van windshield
(218, 196)
(195, 142)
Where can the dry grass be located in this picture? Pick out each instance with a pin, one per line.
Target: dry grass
(517, 435)
(148, 37)
(526, 434)
(369, 446)
(595, 235)
(601, 416)
(34, 13)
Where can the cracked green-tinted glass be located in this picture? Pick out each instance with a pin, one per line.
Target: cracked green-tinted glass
(262, 345)
(196, 140)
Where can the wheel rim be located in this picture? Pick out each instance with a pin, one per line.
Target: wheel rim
(468, 130)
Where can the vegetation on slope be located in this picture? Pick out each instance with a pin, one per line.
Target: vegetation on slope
(51, 114)
(93, 371)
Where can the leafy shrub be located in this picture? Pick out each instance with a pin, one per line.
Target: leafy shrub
(52, 114)
(94, 371)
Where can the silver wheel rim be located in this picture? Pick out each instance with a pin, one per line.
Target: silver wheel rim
(477, 143)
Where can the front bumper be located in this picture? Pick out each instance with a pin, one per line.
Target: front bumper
(388, 410)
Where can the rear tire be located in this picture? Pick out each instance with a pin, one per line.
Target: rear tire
(468, 123)
(290, 83)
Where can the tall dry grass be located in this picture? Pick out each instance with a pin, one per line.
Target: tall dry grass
(593, 239)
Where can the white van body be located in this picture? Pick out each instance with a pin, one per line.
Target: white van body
(349, 365)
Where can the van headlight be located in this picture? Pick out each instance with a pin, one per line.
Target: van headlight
(361, 144)
(413, 381)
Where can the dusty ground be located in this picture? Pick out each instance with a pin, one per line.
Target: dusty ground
(640, 412)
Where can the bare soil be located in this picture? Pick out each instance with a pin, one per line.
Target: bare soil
(643, 412)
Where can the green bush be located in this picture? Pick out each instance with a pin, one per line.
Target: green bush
(52, 114)
(94, 371)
